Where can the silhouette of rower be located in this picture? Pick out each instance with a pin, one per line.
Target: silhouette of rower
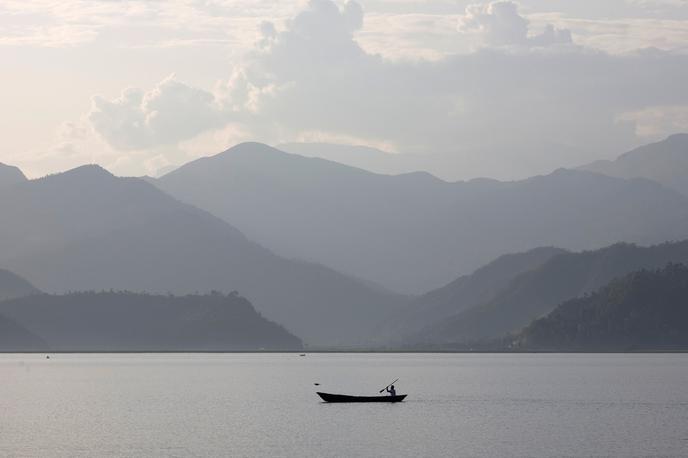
(391, 390)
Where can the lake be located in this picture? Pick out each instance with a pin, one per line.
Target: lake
(473, 405)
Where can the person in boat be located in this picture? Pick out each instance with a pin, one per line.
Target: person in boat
(391, 390)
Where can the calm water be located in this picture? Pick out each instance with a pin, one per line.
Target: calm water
(265, 405)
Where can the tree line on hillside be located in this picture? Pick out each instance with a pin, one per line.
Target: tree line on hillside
(126, 321)
(645, 310)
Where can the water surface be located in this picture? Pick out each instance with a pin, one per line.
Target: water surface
(474, 405)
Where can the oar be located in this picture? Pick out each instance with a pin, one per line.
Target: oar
(389, 385)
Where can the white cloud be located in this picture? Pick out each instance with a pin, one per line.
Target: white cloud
(500, 24)
(621, 36)
(309, 77)
(169, 113)
(657, 121)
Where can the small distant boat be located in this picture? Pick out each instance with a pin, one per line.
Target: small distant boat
(327, 397)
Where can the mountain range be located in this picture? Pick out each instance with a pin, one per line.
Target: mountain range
(412, 233)
(326, 243)
(665, 162)
(535, 292)
(123, 321)
(88, 230)
(645, 310)
(464, 293)
(464, 162)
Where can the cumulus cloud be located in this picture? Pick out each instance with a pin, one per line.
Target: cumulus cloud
(528, 107)
(500, 24)
(169, 113)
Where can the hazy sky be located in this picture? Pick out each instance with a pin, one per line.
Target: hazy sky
(138, 85)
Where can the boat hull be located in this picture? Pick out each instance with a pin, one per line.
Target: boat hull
(328, 397)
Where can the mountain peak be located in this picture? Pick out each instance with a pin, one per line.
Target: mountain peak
(252, 148)
(88, 172)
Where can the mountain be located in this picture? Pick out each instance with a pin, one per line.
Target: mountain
(646, 310)
(16, 338)
(535, 293)
(412, 233)
(10, 175)
(465, 292)
(141, 322)
(493, 158)
(665, 162)
(363, 157)
(12, 286)
(88, 230)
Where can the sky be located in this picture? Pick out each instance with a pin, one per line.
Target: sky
(509, 89)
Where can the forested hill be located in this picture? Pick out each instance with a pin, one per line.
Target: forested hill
(536, 293)
(141, 322)
(645, 310)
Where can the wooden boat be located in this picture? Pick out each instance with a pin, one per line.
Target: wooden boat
(327, 397)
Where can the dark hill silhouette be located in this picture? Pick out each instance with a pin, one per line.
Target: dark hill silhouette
(16, 338)
(646, 310)
(665, 162)
(535, 293)
(140, 322)
(10, 175)
(12, 285)
(414, 232)
(86, 229)
(465, 292)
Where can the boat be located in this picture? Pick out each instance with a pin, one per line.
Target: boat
(328, 397)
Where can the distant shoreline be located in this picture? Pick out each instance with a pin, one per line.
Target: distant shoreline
(342, 352)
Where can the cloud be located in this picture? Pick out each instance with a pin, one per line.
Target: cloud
(500, 24)
(527, 103)
(657, 121)
(169, 113)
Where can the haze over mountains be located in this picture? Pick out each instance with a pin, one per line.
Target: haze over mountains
(464, 293)
(465, 162)
(88, 230)
(535, 292)
(665, 162)
(337, 233)
(13, 335)
(12, 286)
(413, 232)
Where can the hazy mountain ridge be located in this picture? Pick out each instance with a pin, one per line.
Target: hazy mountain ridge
(645, 310)
(665, 161)
(88, 230)
(465, 292)
(126, 321)
(10, 175)
(12, 286)
(463, 162)
(16, 338)
(414, 232)
(535, 293)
